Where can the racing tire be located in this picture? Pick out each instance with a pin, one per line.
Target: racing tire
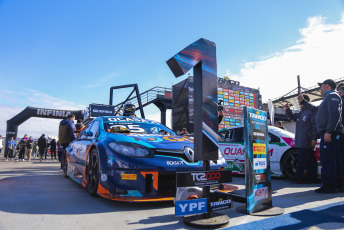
(289, 163)
(93, 173)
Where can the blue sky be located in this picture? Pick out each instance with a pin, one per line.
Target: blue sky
(67, 54)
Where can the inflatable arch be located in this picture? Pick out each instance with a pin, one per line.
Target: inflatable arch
(28, 112)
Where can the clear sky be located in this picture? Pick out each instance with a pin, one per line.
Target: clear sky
(67, 54)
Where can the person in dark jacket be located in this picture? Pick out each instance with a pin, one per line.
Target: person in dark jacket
(340, 174)
(66, 135)
(305, 140)
(66, 131)
(53, 149)
(22, 148)
(29, 147)
(42, 145)
(329, 126)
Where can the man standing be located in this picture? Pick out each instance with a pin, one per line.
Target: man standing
(10, 148)
(53, 149)
(340, 174)
(42, 145)
(22, 148)
(29, 147)
(66, 134)
(329, 126)
(305, 140)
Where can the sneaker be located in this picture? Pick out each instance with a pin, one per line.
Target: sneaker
(23, 160)
(326, 189)
(6, 159)
(17, 160)
(29, 159)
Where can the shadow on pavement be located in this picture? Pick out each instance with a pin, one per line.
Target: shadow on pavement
(55, 194)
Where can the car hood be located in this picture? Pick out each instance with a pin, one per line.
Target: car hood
(155, 141)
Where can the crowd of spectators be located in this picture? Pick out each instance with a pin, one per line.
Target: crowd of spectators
(27, 148)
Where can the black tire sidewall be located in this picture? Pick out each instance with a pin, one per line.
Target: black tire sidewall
(92, 191)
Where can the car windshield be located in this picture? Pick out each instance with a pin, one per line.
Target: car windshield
(129, 125)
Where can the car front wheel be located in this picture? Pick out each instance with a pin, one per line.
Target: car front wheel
(93, 173)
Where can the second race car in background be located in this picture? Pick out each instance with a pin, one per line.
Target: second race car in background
(283, 154)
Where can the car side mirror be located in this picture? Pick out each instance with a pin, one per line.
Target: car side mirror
(88, 134)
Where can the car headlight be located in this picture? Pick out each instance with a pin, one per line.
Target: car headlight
(131, 149)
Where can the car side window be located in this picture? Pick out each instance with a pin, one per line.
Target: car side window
(238, 135)
(94, 129)
(273, 138)
(87, 128)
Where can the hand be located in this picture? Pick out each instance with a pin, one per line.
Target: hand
(327, 137)
(314, 142)
(300, 98)
(287, 106)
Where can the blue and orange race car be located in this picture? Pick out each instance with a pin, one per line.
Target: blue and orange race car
(130, 159)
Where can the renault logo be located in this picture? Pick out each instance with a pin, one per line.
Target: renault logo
(189, 153)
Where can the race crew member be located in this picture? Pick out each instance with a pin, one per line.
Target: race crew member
(66, 133)
(340, 174)
(329, 126)
(129, 110)
(305, 140)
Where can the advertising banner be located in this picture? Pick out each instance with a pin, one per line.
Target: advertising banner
(191, 207)
(234, 97)
(257, 160)
(219, 201)
(101, 110)
(203, 178)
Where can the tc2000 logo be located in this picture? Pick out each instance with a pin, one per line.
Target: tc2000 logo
(206, 176)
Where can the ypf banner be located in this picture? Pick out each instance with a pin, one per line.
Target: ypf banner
(257, 160)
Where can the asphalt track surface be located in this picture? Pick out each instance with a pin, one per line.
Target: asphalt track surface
(36, 195)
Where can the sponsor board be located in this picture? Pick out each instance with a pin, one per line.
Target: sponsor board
(260, 178)
(259, 163)
(190, 207)
(259, 148)
(219, 201)
(129, 177)
(261, 193)
(203, 178)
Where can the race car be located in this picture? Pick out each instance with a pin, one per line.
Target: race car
(130, 159)
(283, 154)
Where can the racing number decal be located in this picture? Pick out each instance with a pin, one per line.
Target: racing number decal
(132, 128)
(136, 129)
(170, 138)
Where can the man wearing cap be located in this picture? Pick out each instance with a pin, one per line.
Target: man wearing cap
(330, 128)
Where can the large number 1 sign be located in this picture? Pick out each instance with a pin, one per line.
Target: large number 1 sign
(201, 56)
